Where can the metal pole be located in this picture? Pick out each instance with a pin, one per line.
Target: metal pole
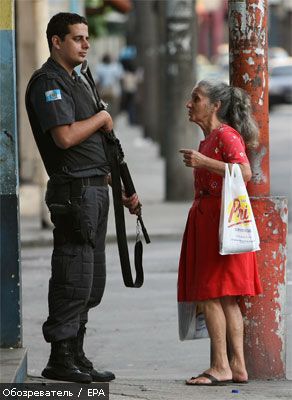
(264, 315)
(11, 318)
(179, 81)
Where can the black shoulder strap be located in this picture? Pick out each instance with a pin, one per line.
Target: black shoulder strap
(120, 224)
(112, 152)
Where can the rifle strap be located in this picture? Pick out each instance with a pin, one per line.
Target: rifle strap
(120, 224)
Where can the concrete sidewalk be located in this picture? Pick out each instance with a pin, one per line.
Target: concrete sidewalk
(177, 390)
(154, 389)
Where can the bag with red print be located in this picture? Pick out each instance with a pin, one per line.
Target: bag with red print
(237, 228)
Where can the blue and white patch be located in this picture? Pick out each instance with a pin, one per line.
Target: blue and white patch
(53, 95)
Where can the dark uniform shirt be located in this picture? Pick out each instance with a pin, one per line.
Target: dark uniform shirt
(55, 98)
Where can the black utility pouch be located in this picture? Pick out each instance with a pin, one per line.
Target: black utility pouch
(59, 209)
(58, 198)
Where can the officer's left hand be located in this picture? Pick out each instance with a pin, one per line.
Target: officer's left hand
(132, 203)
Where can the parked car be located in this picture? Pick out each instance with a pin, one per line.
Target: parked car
(280, 85)
(277, 54)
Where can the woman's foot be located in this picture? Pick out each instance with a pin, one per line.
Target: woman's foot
(219, 377)
(239, 372)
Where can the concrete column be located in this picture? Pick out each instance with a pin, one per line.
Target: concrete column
(179, 81)
(147, 44)
(32, 19)
(11, 318)
(264, 315)
(161, 13)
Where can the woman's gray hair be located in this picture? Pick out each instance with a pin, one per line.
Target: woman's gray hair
(235, 109)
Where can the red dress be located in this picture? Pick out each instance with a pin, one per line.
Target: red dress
(203, 272)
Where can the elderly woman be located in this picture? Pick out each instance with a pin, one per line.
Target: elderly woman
(206, 278)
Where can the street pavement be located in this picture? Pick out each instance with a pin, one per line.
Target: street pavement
(134, 331)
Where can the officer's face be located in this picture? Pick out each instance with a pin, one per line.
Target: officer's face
(73, 49)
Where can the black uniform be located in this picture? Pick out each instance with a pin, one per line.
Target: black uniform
(77, 196)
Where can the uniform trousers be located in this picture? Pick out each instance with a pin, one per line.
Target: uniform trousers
(78, 268)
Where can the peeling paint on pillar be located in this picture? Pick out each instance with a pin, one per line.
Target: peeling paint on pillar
(256, 157)
(249, 70)
(264, 315)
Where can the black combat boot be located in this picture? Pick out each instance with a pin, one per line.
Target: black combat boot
(61, 364)
(82, 362)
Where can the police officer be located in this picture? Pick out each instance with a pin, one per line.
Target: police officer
(69, 128)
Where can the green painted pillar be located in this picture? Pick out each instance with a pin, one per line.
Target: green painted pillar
(10, 289)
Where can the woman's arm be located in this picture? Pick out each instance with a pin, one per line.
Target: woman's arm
(195, 159)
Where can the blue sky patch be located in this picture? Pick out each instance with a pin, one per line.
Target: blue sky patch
(53, 95)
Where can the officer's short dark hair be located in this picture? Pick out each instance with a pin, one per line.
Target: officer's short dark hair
(59, 25)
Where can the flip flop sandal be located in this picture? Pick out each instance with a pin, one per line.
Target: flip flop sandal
(213, 381)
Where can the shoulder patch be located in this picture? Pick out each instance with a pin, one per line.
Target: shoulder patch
(53, 95)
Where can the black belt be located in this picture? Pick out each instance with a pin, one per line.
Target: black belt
(101, 180)
(78, 183)
(97, 180)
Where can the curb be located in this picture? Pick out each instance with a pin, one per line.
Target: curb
(13, 365)
(111, 238)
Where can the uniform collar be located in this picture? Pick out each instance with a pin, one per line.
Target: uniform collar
(57, 67)
(61, 70)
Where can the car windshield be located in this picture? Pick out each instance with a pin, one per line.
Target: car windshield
(285, 70)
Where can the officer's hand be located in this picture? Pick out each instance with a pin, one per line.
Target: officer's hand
(132, 203)
(107, 121)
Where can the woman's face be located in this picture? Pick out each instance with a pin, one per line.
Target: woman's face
(199, 107)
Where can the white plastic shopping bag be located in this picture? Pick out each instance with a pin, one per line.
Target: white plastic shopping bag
(237, 229)
(191, 322)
